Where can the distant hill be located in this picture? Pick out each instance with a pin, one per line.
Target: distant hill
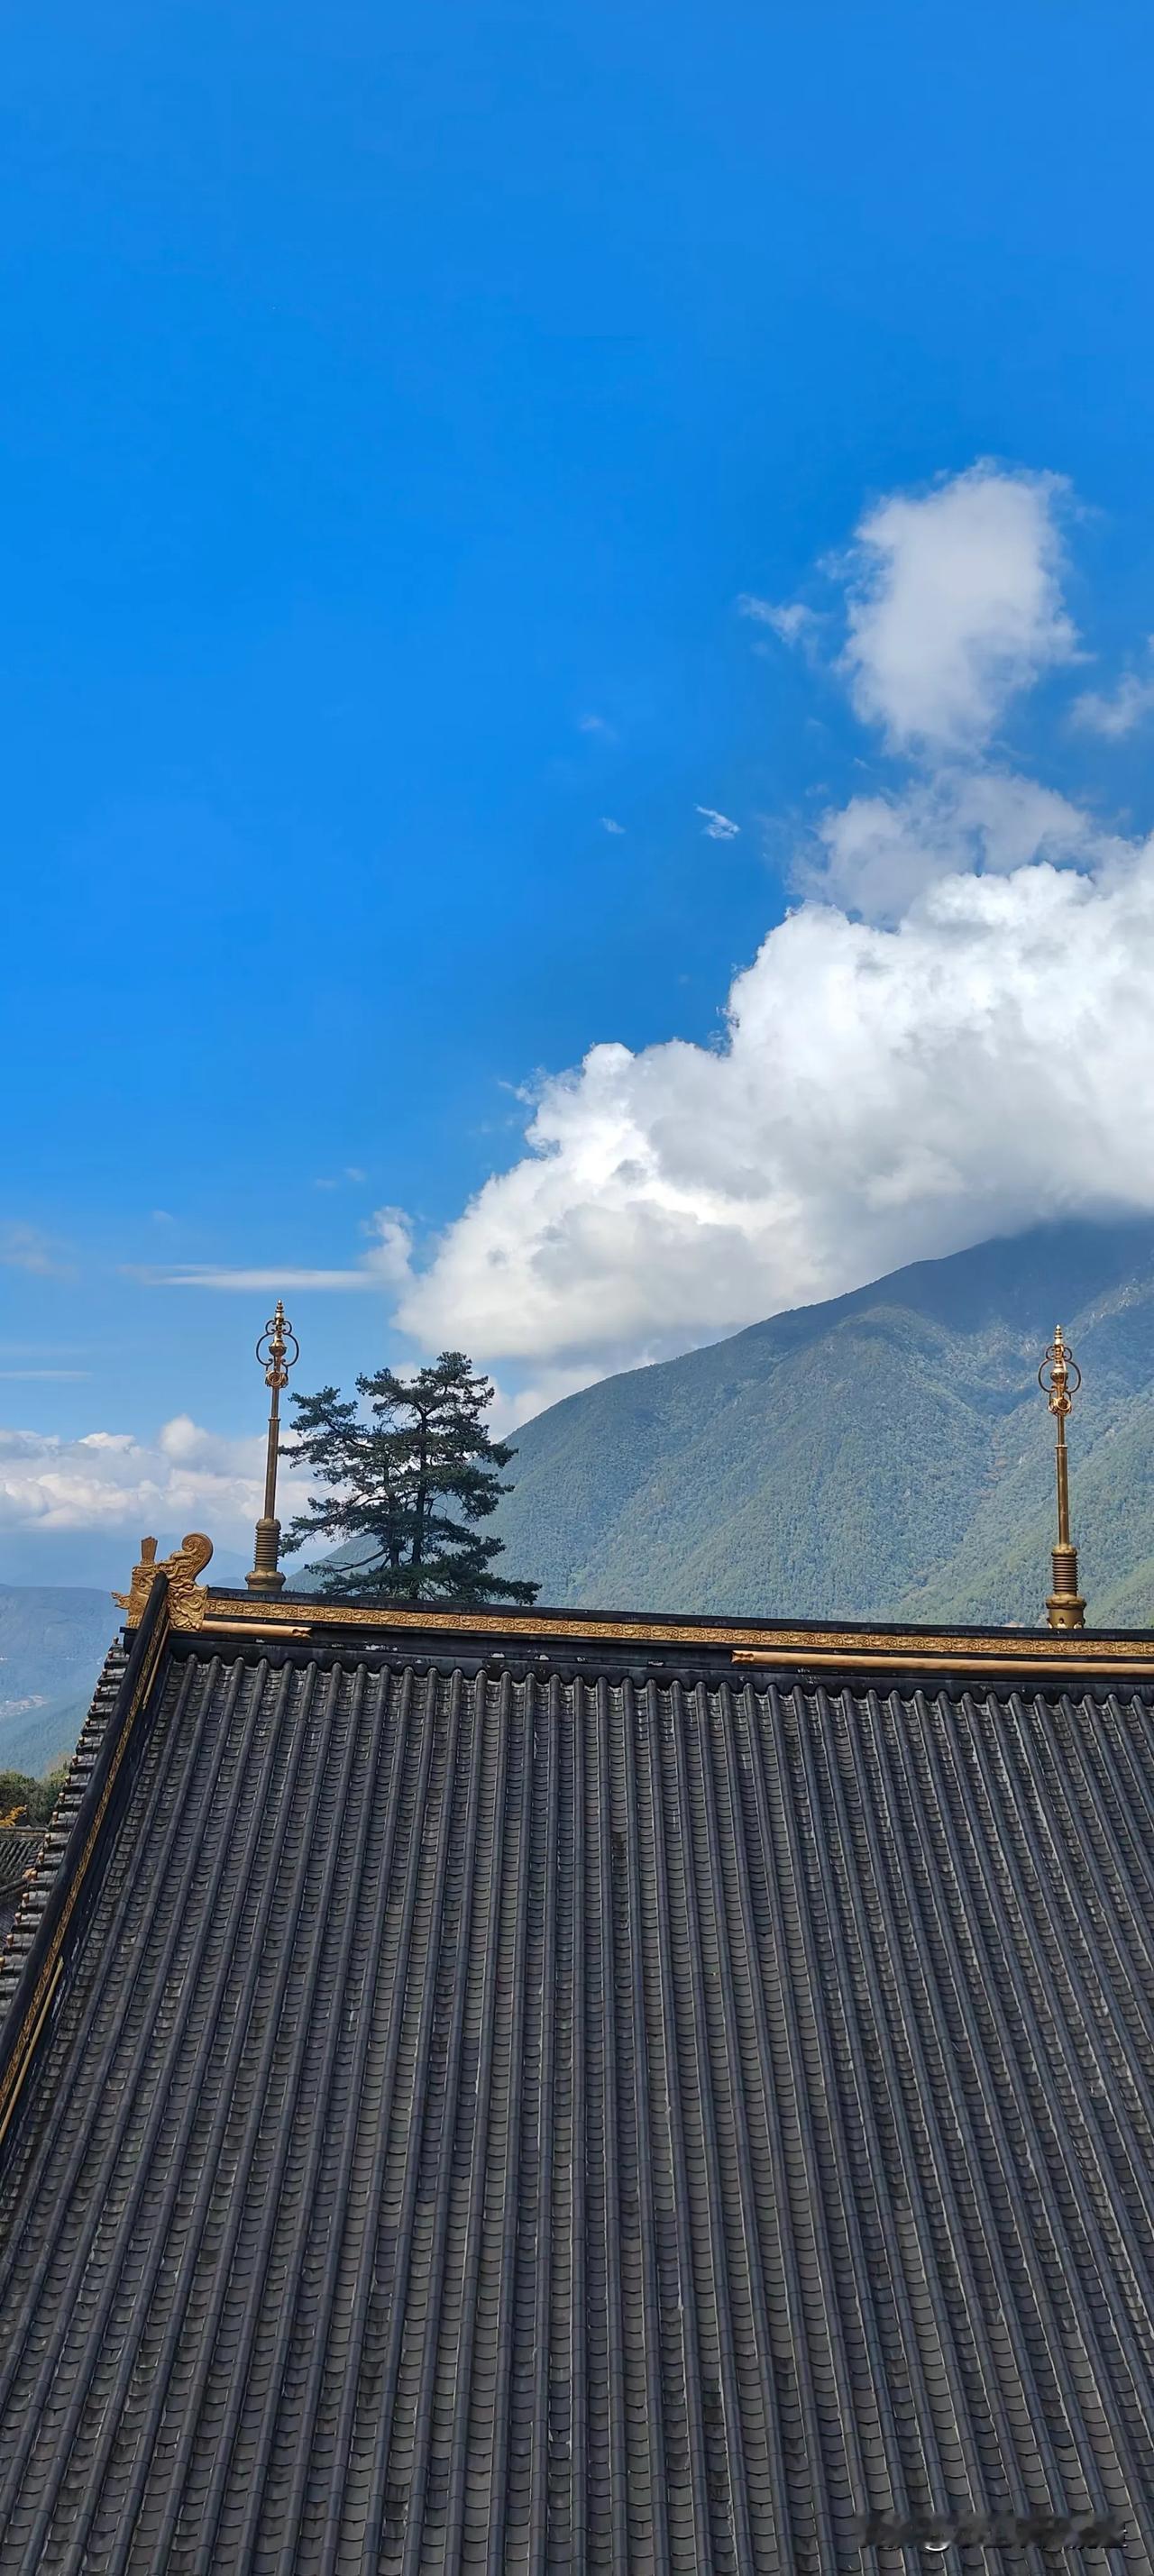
(887, 1452)
(53, 1641)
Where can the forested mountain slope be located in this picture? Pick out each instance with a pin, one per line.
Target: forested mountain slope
(886, 1452)
(53, 1641)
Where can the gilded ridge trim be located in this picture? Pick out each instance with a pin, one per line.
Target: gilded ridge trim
(870, 1666)
(13, 2088)
(763, 1645)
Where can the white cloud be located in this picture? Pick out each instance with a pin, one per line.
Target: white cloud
(26, 1375)
(955, 605)
(879, 853)
(1117, 715)
(598, 725)
(24, 1247)
(510, 1408)
(186, 1478)
(882, 1095)
(281, 1281)
(789, 618)
(718, 827)
(386, 1265)
(973, 1052)
(608, 824)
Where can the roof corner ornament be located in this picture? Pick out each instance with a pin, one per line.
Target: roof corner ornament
(278, 1350)
(186, 1603)
(1060, 1378)
(134, 1602)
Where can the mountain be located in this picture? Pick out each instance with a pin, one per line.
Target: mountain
(53, 1641)
(885, 1453)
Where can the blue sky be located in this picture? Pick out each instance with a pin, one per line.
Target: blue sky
(398, 405)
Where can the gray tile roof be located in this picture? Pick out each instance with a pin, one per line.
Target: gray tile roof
(19, 1850)
(578, 2121)
(29, 1898)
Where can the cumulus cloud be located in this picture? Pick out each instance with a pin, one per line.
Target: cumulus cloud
(893, 1066)
(949, 1037)
(882, 1094)
(610, 824)
(955, 606)
(1118, 714)
(513, 1406)
(877, 854)
(718, 827)
(186, 1478)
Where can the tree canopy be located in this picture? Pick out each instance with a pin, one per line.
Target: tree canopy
(25, 1801)
(404, 1487)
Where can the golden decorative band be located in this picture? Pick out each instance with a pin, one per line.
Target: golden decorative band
(867, 1666)
(763, 1645)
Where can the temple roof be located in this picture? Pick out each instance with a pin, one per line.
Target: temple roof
(555, 2092)
(19, 1850)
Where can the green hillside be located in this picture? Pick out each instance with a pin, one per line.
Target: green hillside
(885, 1453)
(53, 1641)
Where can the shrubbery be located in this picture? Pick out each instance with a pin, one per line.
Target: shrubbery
(28, 1802)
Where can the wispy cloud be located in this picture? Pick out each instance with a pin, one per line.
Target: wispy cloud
(610, 824)
(23, 1376)
(385, 1265)
(598, 725)
(718, 827)
(1120, 712)
(24, 1247)
(278, 1282)
(789, 618)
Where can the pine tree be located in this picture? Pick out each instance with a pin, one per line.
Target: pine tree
(406, 1488)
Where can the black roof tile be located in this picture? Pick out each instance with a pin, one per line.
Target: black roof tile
(580, 2121)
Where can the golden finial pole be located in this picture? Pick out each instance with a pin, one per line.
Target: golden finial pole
(277, 1350)
(1060, 1378)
